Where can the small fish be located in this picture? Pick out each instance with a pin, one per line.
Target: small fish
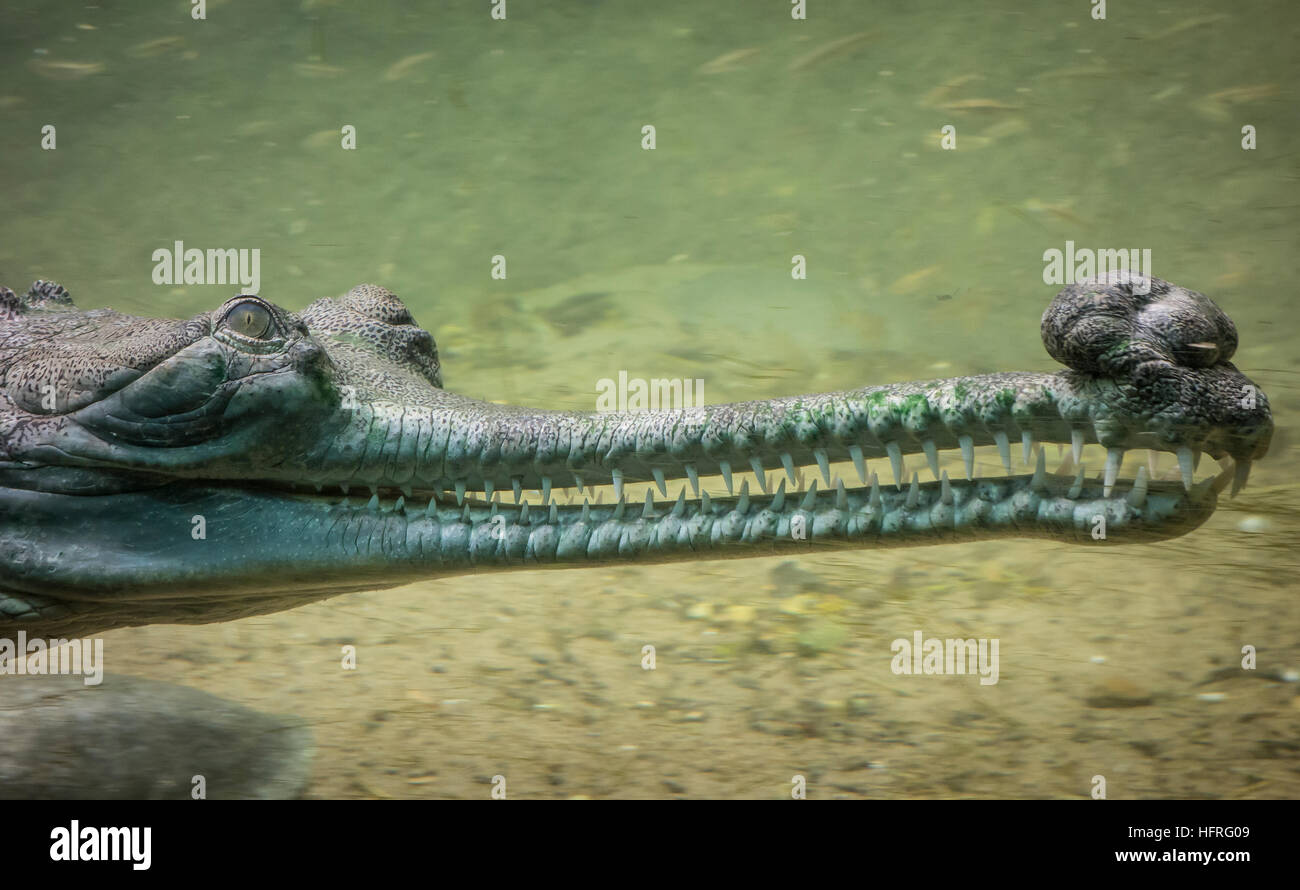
(151, 48)
(912, 280)
(841, 47)
(1189, 24)
(727, 61)
(977, 105)
(403, 67)
(54, 70)
(1235, 95)
(1215, 105)
(573, 314)
(945, 89)
(318, 70)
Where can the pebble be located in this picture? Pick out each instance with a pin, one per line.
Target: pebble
(740, 614)
(1117, 692)
(1254, 525)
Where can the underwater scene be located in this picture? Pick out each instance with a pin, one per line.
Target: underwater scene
(600, 399)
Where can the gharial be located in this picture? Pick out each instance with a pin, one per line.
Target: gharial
(122, 437)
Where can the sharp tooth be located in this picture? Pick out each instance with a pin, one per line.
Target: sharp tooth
(494, 508)
(1076, 445)
(586, 511)
(945, 489)
(1114, 458)
(896, 462)
(400, 506)
(841, 496)
(1039, 483)
(344, 489)
(648, 511)
(518, 489)
(374, 490)
(554, 515)
(431, 510)
(693, 475)
(967, 445)
(406, 490)
(660, 482)
(679, 508)
(706, 504)
(617, 475)
(619, 508)
(460, 493)
(373, 505)
(724, 467)
(1187, 466)
(1027, 444)
(546, 489)
(913, 494)
(931, 456)
(875, 500)
(859, 462)
(759, 473)
(1239, 476)
(823, 464)
(1077, 488)
(488, 488)
(1138, 496)
(465, 516)
(778, 500)
(810, 499)
(743, 504)
(788, 462)
(577, 481)
(1004, 449)
(523, 513)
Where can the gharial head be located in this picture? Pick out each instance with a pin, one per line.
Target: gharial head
(199, 470)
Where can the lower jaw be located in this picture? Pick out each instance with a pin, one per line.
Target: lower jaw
(476, 536)
(265, 549)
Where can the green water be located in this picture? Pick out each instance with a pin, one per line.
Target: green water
(523, 138)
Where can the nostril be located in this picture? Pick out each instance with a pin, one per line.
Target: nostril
(1103, 326)
(1199, 355)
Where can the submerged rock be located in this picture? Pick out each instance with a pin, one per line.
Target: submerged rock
(130, 738)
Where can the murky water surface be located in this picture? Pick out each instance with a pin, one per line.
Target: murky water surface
(477, 137)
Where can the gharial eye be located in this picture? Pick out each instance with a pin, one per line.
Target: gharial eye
(249, 318)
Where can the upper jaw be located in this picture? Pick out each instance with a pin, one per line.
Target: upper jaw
(465, 446)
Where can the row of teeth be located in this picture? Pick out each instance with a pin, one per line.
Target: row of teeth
(975, 462)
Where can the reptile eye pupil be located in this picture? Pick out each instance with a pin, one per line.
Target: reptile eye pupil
(249, 319)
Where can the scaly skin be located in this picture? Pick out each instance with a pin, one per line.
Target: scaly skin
(116, 432)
